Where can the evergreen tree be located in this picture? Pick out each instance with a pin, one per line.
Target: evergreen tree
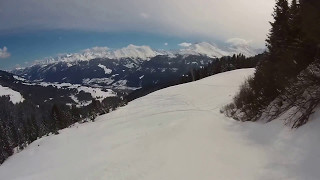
(5, 148)
(311, 19)
(56, 119)
(33, 129)
(277, 39)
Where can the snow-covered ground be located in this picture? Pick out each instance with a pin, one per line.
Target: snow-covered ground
(96, 93)
(15, 97)
(106, 70)
(174, 134)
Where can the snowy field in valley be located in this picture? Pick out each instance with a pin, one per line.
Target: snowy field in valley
(15, 97)
(174, 134)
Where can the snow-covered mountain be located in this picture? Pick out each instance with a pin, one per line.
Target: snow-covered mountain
(130, 67)
(204, 48)
(146, 53)
(131, 51)
(114, 73)
(134, 52)
(236, 46)
(175, 133)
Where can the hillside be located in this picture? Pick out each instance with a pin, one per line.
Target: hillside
(43, 92)
(175, 133)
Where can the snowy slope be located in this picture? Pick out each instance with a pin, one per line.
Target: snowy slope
(15, 97)
(176, 133)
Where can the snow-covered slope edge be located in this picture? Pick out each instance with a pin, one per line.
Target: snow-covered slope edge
(175, 133)
(15, 97)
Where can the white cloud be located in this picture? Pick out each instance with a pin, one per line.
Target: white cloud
(185, 44)
(144, 15)
(4, 53)
(197, 19)
(166, 44)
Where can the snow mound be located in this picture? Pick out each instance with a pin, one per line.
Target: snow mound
(15, 97)
(174, 133)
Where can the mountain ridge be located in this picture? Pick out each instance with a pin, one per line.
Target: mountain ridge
(144, 52)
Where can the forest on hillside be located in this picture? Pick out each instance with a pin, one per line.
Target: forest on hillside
(36, 116)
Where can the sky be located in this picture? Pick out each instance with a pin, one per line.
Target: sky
(34, 29)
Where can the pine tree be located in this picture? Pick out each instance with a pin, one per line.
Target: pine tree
(33, 129)
(277, 39)
(311, 19)
(5, 148)
(75, 114)
(271, 75)
(56, 119)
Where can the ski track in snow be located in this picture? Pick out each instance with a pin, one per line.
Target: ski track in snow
(172, 134)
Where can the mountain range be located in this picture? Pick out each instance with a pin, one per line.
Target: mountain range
(100, 72)
(127, 68)
(146, 53)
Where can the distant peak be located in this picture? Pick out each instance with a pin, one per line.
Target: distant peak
(135, 52)
(203, 48)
